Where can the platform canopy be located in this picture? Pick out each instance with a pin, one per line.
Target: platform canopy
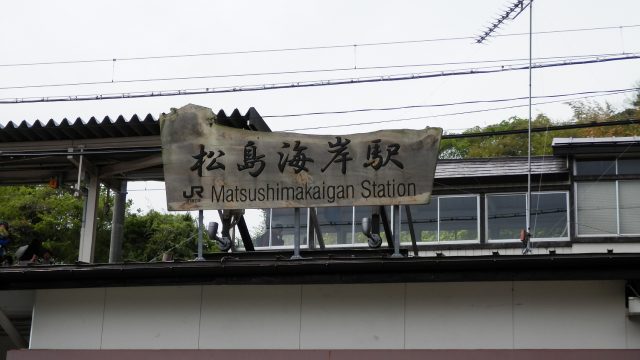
(113, 149)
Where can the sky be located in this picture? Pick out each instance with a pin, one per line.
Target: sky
(110, 45)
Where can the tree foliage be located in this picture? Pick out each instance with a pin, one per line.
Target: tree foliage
(56, 216)
(148, 236)
(584, 112)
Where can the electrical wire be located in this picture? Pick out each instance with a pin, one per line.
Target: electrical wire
(308, 71)
(304, 84)
(306, 48)
(600, 93)
(437, 115)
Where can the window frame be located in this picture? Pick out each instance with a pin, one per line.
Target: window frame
(437, 198)
(616, 183)
(546, 239)
(303, 229)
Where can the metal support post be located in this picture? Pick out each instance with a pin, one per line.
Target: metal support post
(396, 231)
(412, 231)
(296, 235)
(386, 226)
(200, 231)
(88, 231)
(117, 228)
(245, 235)
(315, 227)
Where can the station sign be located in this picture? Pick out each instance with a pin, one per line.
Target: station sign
(210, 166)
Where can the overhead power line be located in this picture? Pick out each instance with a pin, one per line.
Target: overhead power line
(304, 84)
(305, 48)
(506, 62)
(467, 112)
(470, 102)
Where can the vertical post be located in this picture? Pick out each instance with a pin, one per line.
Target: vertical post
(412, 230)
(528, 200)
(296, 235)
(395, 215)
(117, 228)
(88, 231)
(200, 231)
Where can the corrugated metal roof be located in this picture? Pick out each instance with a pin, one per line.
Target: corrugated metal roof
(79, 129)
(499, 167)
(93, 128)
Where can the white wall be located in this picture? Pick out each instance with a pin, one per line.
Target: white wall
(491, 315)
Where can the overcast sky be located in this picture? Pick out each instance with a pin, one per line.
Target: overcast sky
(71, 31)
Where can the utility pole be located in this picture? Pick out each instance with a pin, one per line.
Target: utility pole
(518, 7)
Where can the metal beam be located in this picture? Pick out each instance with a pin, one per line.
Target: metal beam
(244, 234)
(124, 167)
(12, 332)
(88, 144)
(386, 226)
(313, 220)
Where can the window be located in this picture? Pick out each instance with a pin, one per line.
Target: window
(596, 208)
(336, 225)
(629, 166)
(629, 209)
(425, 222)
(608, 207)
(445, 218)
(458, 218)
(550, 215)
(281, 228)
(506, 216)
(596, 167)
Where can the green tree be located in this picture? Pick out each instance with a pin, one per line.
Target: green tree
(584, 112)
(148, 236)
(56, 216)
(53, 214)
(500, 145)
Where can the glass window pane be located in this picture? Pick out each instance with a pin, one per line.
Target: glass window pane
(458, 218)
(596, 208)
(336, 224)
(628, 166)
(261, 228)
(506, 216)
(629, 194)
(596, 167)
(425, 222)
(549, 215)
(362, 212)
(283, 227)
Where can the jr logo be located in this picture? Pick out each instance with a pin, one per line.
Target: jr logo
(195, 190)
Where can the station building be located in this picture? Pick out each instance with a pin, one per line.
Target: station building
(464, 287)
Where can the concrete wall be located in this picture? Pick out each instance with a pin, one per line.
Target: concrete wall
(489, 315)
